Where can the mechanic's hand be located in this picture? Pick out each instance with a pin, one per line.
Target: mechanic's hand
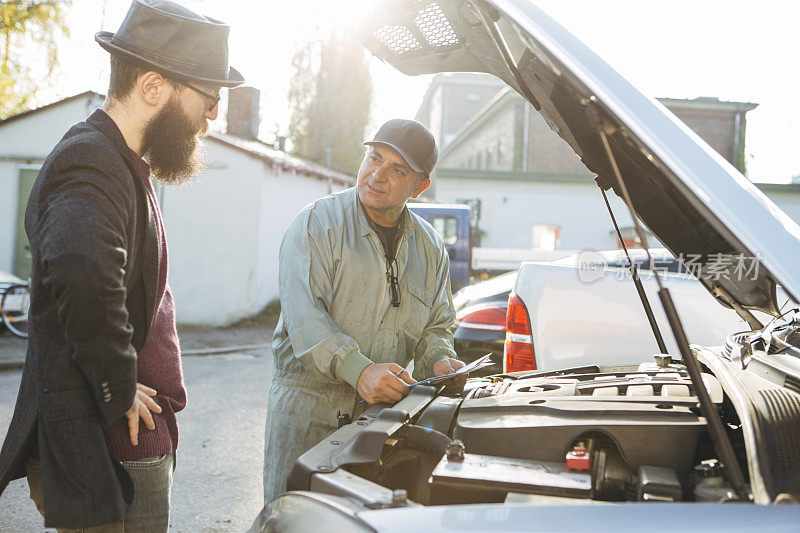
(448, 366)
(383, 383)
(142, 405)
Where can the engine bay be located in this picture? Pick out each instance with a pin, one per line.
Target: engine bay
(572, 436)
(607, 436)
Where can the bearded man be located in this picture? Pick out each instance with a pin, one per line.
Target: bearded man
(103, 350)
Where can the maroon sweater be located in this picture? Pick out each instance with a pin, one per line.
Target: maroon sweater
(158, 363)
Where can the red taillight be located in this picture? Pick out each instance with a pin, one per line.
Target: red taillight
(518, 352)
(492, 318)
(517, 316)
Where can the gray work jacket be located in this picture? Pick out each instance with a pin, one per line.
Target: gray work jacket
(337, 317)
(336, 312)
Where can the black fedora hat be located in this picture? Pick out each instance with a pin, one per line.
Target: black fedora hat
(174, 41)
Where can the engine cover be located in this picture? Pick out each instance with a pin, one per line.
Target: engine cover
(649, 415)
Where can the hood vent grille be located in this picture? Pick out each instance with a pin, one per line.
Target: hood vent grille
(398, 39)
(425, 31)
(435, 26)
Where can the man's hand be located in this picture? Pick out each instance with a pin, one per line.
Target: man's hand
(448, 366)
(142, 405)
(383, 383)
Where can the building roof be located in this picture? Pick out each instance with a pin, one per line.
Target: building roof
(25, 114)
(280, 159)
(505, 94)
(475, 79)
(707, 102)
(779, 187)
(256, 149)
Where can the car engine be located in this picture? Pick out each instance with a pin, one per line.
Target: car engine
(570, 436)
(606, 436)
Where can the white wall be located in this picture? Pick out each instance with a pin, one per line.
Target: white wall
(212, 230)
(509, 209)
(224, 232)
(283, 195)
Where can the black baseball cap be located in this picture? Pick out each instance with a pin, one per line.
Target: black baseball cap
(413, 141)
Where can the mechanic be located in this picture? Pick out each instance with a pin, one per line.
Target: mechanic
(364, 289)
(103, 351)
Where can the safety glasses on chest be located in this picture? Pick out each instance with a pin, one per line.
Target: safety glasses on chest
(391, 279)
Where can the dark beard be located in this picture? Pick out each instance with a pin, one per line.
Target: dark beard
(171, 146)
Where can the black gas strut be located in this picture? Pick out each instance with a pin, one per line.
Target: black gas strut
(636, 281)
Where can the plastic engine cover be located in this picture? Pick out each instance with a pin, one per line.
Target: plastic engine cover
(647, 414)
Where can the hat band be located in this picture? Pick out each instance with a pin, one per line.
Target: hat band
(175, 65)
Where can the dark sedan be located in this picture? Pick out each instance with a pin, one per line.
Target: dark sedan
(480, 326)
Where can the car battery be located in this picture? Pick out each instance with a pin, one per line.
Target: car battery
(486, 478)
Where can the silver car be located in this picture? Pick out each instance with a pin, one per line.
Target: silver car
(661, 445)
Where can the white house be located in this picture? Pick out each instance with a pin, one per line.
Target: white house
(224, 229)
(530, 189)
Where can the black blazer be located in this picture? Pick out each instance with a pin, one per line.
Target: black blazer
(95, 256)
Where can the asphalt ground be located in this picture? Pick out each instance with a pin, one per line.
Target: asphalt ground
(217, 483)
(194, 341)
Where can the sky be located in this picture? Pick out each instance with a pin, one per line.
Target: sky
(734, 50)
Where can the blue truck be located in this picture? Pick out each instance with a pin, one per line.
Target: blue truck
(453, 222)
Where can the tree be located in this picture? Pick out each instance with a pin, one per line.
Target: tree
(330, 94)
(27, 25)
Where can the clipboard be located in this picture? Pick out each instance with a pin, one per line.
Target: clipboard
(480, 362)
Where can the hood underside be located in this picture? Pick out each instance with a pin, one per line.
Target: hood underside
(695, 202)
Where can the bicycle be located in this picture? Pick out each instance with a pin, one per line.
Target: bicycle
(14, 307)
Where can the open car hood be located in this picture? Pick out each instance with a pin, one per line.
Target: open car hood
(693, 200)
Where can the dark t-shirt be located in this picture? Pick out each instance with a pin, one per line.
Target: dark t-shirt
(387, 235)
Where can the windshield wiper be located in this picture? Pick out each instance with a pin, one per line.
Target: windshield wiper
(722, 443)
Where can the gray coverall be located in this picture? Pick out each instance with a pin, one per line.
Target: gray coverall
(336, 318)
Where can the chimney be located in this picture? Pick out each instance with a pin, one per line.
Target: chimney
(243, 103)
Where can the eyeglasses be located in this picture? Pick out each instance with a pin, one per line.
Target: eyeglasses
(214, 98)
